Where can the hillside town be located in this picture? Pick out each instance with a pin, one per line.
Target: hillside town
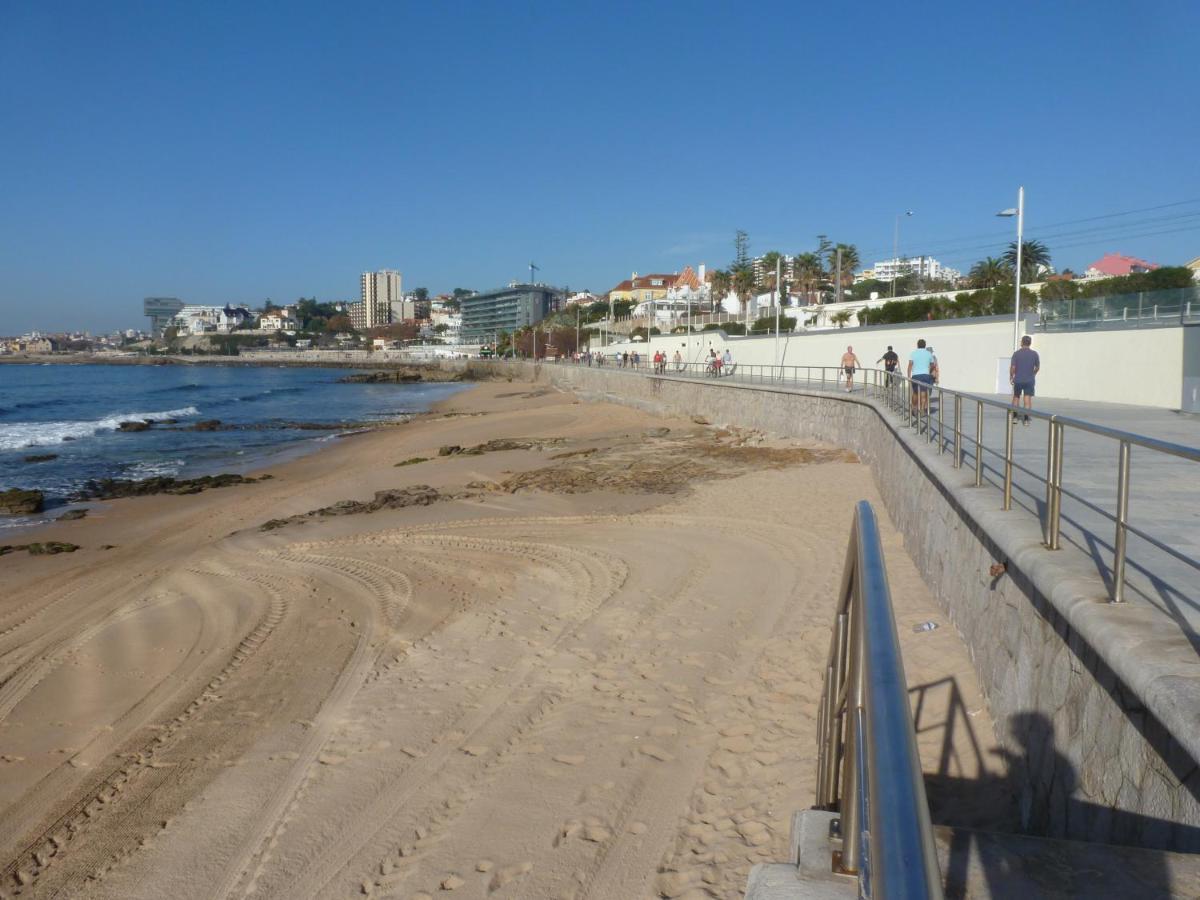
(814, 291)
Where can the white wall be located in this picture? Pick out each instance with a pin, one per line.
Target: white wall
(1137, 366)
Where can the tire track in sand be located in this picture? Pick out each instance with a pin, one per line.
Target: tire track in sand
(54, 842)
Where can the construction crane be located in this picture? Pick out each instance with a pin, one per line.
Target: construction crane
(533, 268)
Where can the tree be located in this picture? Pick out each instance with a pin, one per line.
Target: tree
(421, 294)
(808, 273)
(743, 285)
(741, 252)
(771, 259)
(340, 322)
(1034, 256)
(841, 317)
(850, 262)
(988, 273)
(719, 288)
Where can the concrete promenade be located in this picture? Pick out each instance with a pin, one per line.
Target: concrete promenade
(1164, 490)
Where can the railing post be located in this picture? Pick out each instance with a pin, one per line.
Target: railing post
(1051, 454)
(1009, 421)
(978, 443)
(958, 431)
(1056, 497)
(851, 826)
(1122, 523)
(941, 441)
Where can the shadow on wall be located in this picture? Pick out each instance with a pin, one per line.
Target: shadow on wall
(1034, 796)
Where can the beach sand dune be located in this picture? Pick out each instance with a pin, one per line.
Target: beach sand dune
(586, 667)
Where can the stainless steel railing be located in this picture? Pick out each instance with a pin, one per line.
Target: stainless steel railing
(963, 439)
(868, 768)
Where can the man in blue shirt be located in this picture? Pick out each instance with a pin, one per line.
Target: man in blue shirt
(1022, 371)
(921, 368)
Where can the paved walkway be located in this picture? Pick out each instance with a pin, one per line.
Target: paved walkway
(1164, 490)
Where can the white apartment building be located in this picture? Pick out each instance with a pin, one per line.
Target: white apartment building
(379, 290)
(760, 270)
(922, 266)
(280, 320)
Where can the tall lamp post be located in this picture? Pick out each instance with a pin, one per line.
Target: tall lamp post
(896, 248)
(1019, 212)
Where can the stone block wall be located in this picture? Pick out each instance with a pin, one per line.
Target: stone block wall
(1098, 705)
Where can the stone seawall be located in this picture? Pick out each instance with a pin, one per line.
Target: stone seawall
(1096, 703)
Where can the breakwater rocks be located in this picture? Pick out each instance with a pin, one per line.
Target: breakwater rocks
(403, 375)
(19, 502)
(117, 488)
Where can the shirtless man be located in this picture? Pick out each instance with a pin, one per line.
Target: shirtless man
(849, 364)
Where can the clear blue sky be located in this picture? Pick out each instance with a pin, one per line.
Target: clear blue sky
(231, 152)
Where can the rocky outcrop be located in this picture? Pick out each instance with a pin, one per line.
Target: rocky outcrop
(19, 502)
(40, 548)
(40, 457)
(416, 495)
(134, 426)
(116, 488)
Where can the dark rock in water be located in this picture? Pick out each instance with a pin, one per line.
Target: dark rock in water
(72, 514)
(416, 495)
(388, 377)
(18, 502)
(134, 426)
(116, 488)
(69, 438)
(43, 548)
(168, 421)
(40, 457)
(206, 425)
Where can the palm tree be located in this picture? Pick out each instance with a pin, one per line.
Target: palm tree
(850, 262)
(770, 260)
(1034, 256)
(719, 288)
(809, 272)
(743, 284)
(989, 272)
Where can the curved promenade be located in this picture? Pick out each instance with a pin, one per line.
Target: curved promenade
(1096, 701)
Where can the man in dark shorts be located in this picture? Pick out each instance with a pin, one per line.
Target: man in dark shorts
(1022, 372)
(890, 360)
(849, 364)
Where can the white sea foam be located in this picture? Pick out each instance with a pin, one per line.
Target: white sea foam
(17, 435)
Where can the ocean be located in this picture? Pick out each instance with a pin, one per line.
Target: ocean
(74, 411)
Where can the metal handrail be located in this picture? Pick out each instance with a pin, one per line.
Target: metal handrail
(895, 390)
(868, 768)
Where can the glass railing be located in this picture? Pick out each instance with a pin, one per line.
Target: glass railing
(1145, 309)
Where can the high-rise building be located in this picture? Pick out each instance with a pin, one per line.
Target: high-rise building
(486, 314)
(161, 310)
(379, 291)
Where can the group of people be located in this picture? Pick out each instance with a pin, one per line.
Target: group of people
(720, 363)
(923, 372)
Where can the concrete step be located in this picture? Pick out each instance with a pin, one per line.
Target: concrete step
(981, 864)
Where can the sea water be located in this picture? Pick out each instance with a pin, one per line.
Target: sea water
(74, 412)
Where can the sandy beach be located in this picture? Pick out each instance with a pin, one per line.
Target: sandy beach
(582, 660)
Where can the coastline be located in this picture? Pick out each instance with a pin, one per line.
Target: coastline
(285, 360)
(573, 644)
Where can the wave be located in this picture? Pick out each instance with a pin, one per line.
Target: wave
(18, 435)
(31, 404)
(190, 386)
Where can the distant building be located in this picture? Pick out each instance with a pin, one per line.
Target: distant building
(211, 319)
(922, 266)
(759, 265)
(486, 314)
(1194, 265)
(1111, 265)
(161, 310)
(643, 288)
(379, 290)
(278, 320)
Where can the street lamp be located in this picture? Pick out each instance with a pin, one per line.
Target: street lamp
(1019, 212)
(896, 249)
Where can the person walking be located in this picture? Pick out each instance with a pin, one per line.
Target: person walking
(920, 370)
(678, 361)
(1022, 373)
(890, 360)
(727, 362)
(849, 364)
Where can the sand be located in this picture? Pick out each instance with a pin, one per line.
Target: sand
(585, 668)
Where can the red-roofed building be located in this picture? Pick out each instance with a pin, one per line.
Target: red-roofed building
(1113, 264)
(643, 288)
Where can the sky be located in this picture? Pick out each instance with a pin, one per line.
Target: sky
(234, 152)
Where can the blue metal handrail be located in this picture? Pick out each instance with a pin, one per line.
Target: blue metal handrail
(868, 767)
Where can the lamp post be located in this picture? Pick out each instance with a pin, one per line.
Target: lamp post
(896, 248)
(1019, 212)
